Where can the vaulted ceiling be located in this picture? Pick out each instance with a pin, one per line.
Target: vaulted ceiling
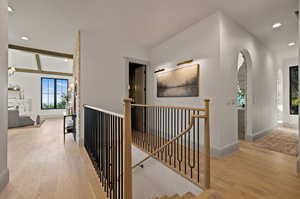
(52, 24)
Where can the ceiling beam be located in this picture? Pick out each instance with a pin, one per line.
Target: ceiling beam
(22, 70)
(39, 51)
(38, 62)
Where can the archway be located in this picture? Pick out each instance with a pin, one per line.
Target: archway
(244, 96)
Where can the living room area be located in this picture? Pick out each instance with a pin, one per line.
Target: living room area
(40, 86)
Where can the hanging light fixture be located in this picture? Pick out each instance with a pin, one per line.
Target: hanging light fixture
(11, 71)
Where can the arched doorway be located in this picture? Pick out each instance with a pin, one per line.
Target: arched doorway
(243, 96)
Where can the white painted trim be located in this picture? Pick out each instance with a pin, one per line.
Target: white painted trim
(217, 152)
(104, 111)
(260, 134)
(4, 179)
(138, 61)
(224, 151)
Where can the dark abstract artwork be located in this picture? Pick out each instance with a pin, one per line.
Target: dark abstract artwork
(183, 82)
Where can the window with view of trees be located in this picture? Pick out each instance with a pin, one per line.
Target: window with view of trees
(54, 93)
(294, 91)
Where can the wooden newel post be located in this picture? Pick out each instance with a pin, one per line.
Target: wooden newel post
(206, 146)
(127, 132)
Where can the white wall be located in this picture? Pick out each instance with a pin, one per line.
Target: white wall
(31, 83)
(288, 120)
(215, 43)
(262, 76)
(4, 173)
(103, 68)
(199, 42)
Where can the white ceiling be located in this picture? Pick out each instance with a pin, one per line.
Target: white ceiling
(52, 24)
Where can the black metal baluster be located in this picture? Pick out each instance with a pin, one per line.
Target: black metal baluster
(107, 155)
(180, 154)
(193, 148)
(101, 144)
(170, 150)
(122, 164)
(162, 132)
(111, 156)
(175, 134)
(159, 131)
(116, 158)
(185, 145)
(166, 134)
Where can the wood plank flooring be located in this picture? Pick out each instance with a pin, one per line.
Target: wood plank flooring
(255, 173)
(41, 167)
(251, 173)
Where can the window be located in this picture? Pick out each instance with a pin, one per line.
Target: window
(54, 93)
(294, 100)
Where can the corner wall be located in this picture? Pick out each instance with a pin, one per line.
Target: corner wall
(4, 173)
(103, 73)
(200, 42)
(262, 81)
(215, 43)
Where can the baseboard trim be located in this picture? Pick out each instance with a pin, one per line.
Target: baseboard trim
(259, 134)
(4, 179)
(298, 165)
(222, 152)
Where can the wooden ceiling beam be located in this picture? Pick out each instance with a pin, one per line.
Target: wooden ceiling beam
(39, 51)
(38, 62)
(23, 70)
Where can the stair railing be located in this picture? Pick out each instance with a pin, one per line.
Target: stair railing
(107, 140)
(164, 133)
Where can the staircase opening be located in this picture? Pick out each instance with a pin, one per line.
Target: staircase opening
(171, 146)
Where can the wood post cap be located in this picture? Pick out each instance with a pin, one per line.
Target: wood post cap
(127, 100)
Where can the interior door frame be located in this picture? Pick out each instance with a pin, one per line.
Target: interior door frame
(129, 60)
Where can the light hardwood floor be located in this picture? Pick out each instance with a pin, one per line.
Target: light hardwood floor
(255, 173)
(42, 167)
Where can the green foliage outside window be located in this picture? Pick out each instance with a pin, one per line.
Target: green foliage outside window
(241, 98)
(294, 90)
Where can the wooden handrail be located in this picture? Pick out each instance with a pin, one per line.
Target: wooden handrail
(174, 107)
(102, 110)
(191, 124)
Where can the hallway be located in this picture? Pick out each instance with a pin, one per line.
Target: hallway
(42, 167)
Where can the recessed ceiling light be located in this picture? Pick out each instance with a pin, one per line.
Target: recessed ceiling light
(66, 60)
(292, 44)
(276, 25)
(25, 38)
(9, 9)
